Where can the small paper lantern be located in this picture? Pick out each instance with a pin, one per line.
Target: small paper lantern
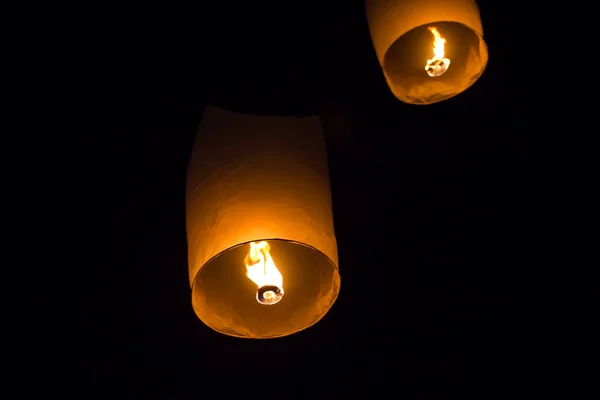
(262, 250)
(429, 50)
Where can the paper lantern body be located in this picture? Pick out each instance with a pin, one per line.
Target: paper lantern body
(403, 43)
(253, 178)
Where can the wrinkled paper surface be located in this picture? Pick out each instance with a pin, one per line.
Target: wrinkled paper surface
(253, 177)
(391, 19)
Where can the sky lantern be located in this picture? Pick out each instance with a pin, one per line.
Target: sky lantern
(262, 250)
(429, 50)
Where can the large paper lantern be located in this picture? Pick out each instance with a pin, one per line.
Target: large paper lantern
(261, 245)
(429, 50)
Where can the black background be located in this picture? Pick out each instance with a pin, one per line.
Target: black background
(441, 210)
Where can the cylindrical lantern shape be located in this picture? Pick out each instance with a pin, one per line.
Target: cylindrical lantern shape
(429, 50)
(261, 245)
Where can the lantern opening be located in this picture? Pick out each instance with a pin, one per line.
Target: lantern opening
(228, 301)
(261, 270)
(404, 60)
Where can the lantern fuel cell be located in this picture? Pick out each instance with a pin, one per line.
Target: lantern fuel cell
(261, 270)
(429, 50)
(439, 64)
(262, 251)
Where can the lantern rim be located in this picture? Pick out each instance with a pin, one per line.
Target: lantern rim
(398, 89)
(271, 239)
(330, 262)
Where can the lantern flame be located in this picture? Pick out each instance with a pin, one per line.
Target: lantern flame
(261, 269)
(439, 63)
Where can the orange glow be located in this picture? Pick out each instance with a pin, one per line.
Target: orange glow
(261, 270)
(439, 63)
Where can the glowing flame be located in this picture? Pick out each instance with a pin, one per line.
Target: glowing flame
(438, 64)
(261, 269)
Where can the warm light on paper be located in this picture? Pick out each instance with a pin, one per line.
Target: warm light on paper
(259, 220)
(416, 68)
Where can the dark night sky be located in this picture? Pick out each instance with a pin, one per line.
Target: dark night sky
(438, 209)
